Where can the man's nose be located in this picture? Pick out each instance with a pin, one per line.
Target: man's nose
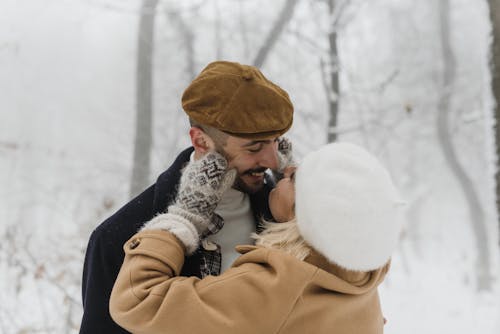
(269, 157)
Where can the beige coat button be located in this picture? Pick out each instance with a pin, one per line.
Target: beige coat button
(134, 243)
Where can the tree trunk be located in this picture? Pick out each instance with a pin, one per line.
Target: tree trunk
(144, 98)
(476, 213)
(495, 85)
(188, 39)
(285, 16)
(188, 51)
(333, 92)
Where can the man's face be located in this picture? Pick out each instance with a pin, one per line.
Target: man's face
(251, 158)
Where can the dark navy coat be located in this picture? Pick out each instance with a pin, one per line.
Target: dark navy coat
(105, 255)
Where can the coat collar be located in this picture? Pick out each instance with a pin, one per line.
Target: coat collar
(329, 276)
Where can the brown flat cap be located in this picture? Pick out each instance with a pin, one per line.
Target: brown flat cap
(238, 100)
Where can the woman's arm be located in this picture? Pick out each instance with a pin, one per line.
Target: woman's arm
(149, 297)
(152, 260)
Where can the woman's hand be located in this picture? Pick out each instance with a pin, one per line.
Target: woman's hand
(200, 189)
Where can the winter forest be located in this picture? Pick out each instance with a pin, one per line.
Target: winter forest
(90, 114)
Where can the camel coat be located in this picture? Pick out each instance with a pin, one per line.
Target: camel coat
(266, 291)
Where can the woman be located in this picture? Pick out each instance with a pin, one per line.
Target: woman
(318, 270)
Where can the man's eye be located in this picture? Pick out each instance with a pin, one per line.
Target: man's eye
(254, 150)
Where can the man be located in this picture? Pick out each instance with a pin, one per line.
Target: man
(234, 110)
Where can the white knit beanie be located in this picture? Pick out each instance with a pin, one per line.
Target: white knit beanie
(347, 206)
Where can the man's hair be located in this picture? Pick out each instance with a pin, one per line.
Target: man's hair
(219, 137)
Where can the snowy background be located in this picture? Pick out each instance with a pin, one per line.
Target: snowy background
(67, 127)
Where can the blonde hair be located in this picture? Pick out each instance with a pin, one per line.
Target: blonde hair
(283, 236)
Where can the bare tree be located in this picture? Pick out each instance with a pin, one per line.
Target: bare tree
(495, 84)
(55, 272)
(283, 18)
(188, 38)
(144, 98)
(476, 212)
(330, 70)
(333, 87)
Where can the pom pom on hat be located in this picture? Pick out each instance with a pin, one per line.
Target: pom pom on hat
(347, 206)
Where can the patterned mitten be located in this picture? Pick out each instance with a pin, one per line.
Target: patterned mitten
(285, 157)
(200, 190)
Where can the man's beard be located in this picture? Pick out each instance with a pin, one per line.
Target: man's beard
(241, 185)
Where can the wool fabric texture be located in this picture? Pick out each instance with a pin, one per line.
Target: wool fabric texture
(347, 206)
(239, 100)
(265, 291)
(191, 217)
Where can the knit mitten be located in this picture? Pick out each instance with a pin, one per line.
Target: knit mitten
(285, 157)
(200, 190)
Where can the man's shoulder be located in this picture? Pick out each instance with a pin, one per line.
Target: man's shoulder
(153, 200)
(166, 184)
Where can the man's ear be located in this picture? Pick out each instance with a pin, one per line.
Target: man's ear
(201, 142)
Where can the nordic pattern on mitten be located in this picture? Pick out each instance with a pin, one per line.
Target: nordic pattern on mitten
(284, 145)
(200, 188)
(285, 157)
(191, 217)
